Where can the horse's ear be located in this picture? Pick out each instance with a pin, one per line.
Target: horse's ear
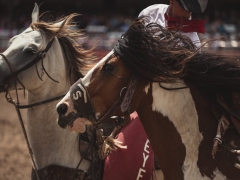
(61, 23)
(35, 13)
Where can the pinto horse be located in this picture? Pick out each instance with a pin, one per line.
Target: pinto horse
(187, 100)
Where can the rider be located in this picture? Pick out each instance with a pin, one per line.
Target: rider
(177, 16)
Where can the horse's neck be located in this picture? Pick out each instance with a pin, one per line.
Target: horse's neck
(50, 143)
(181, 127)
(174, 121)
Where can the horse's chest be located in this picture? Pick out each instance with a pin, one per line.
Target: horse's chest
(179, 108)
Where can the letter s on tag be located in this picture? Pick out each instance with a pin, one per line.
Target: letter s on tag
(77, 95)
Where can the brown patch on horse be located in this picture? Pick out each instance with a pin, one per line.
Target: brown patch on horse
(169, 140)
(208, 127)
(118, 81)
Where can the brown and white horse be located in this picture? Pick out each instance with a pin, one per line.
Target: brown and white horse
(184, 98)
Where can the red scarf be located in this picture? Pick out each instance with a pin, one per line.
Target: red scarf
(185, 25)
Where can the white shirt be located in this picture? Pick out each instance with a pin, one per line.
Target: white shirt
(156, 14)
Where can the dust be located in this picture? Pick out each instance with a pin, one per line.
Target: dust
(15, 161)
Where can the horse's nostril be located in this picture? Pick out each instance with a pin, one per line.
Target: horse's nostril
(62, 109)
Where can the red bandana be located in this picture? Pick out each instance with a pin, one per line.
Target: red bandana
(184, 25)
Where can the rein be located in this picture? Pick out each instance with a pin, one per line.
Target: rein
(39, 103)
(123, 102)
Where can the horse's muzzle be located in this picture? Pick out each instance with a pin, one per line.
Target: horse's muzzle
(82, 102)
(65, 121)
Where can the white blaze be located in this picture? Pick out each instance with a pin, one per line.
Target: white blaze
(87, 77)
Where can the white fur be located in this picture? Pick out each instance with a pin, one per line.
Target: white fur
(88, 76)
(50, 143)
(97, 115)
(179, 107)
(218, 175)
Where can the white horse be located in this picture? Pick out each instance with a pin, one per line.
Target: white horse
(55, 150)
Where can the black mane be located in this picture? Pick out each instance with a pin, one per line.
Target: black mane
(159, 55)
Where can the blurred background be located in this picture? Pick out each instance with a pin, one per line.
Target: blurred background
(104, 21)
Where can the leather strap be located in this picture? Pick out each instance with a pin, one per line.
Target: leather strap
(56, 172)
(235, 116)
(129, 94)
(40, 56)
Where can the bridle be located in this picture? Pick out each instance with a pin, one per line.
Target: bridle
(17, 105)
(85, 108)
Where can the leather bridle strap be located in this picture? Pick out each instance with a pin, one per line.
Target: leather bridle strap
(40, 56)
(40, 103)
(122, 101)
(111, 111)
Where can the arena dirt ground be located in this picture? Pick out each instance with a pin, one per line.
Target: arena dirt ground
(15, 161)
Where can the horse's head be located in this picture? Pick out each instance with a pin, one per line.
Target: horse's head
(102, 93)
(22, 63)
(118, 83)
(23, 49)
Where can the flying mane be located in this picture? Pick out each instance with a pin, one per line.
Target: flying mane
(159, 55)
(77, 57)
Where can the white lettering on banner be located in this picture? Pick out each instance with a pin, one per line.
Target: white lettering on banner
(139, 173)
(145, 158)
(146, 146)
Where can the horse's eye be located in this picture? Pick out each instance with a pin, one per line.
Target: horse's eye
(30, 51)
(108, 68)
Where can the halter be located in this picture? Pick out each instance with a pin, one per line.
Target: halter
(82, 102)
(39, 57)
